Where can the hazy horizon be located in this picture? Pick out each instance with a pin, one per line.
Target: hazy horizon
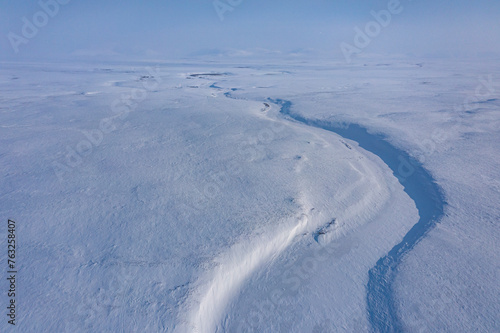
(238, 29)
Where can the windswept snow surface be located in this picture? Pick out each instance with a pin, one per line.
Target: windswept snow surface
(147, 200)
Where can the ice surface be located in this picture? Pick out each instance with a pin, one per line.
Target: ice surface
(193, 205)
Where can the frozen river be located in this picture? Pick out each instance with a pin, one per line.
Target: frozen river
(418, 184)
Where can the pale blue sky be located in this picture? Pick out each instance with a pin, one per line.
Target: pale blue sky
(175, 29)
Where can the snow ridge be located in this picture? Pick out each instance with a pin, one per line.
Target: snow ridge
(239, 263)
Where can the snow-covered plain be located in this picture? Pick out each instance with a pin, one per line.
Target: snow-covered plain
(176, 197)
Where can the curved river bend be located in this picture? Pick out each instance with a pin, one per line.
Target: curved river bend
(417, 183)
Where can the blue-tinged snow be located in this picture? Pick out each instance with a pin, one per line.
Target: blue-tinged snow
(178, 198)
